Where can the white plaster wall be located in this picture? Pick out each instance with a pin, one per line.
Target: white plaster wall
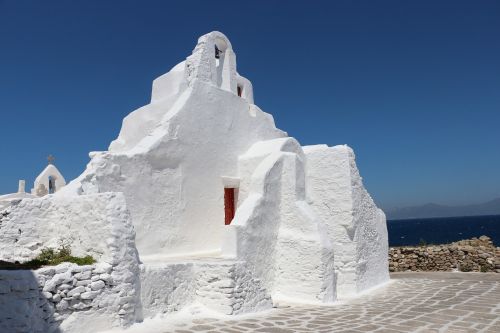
(22, 307)
(305, 256)
(7, 199)
(167, 287)
(139, 123)
(224, 286)
(230, 287)
(98, 225)
(355, 226)
(169, 84)
(371, 234)
(85, 222)
(171, 174)
(252, 235)
(275, 231)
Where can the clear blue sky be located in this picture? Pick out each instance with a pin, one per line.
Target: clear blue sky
(412, 86)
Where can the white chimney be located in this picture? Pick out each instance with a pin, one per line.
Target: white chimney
(22, 185)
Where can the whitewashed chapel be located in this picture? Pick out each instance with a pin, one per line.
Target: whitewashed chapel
(201, 199)
(49, 181)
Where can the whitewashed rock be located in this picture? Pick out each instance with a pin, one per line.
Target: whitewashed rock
(101, 268)
(64, 287)
(75, 291)
(83, 283)
(106, 277)
(89, 295)
(84, 275)
(62, 305)
(47, 271)
(81, 306)
(97, 285)
(76, 269)
(64, 267)
(56, 280)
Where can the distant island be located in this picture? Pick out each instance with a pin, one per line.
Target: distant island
(434, 210)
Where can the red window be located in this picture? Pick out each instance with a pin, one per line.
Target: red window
(229, 208)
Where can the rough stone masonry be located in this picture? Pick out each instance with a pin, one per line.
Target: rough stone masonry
(470, 255)
(55, 292)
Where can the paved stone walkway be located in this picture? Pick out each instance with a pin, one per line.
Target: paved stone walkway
(412, 302)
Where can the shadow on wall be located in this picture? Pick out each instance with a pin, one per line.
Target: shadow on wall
(23, 305)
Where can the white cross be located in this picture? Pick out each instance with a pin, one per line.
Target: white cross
(51, 159)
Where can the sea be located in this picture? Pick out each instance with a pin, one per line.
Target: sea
(442, 230)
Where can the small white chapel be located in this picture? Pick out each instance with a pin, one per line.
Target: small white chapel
(49, 181)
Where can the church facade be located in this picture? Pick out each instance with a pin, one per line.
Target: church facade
(219, 206)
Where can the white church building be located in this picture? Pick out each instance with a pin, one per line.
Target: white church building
(201, 199)
(49, 181)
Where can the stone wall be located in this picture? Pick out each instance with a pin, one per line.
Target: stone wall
(170, 155)
(73, 298)
(224, 286)
(471, 255)
(97, 225)
(23, 307)
(59, 297)
(355, 226)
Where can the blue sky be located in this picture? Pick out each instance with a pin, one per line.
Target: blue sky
(412, 86)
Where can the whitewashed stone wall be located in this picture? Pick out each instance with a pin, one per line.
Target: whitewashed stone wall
(22, 305)
(58, 297)
(275, 231)
(354, 224)
(225, 286)
(171, 154)
(305, 229)
(229, 287)
(167, 287)
(108, 293)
